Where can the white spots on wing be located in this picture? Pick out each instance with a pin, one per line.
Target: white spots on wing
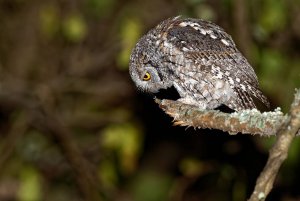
(185, 49)
(243, 87)
(227, 73)
(225, 42)
(183, 24)
(217, 72)
(191, 82)
(204, 60)
(192, 74)
(182, 42)
(238, 79)
(168, 45)
(213, 36)
(203, 31)
(230, 80)
(219, 84)
(173, 38)
(196, 28)
(209, 31)
(219, 75)
(194, 25)
(157, 42)
(215, 69)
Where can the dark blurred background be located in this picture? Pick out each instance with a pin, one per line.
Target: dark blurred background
(73, 126)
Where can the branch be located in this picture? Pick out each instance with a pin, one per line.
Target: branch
(279, 152)
(285, 127)
(245, 122)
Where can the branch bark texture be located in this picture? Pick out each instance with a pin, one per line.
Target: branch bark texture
(285, 127)
(279, 152)
(245, 122)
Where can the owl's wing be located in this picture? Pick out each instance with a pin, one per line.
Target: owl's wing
(206, 44)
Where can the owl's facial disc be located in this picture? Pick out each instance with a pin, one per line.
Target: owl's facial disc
(150, 80)
(147, 78)
(145, 70)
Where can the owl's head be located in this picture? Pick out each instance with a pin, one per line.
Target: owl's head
(145, 69)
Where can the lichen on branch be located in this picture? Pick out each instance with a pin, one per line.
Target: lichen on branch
(284, 127)
(245, 121)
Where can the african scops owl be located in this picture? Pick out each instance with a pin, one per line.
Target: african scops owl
(200, 60)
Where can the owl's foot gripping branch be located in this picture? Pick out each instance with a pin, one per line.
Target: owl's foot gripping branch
(284, 127)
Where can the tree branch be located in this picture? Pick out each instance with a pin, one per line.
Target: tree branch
(285, 127)
(279, 152)
(245, 122)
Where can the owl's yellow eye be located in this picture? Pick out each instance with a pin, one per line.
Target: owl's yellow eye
(147, 76)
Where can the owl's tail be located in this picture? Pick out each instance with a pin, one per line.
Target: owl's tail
(247, 98)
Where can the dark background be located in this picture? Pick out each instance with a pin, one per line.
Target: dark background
(73, 126)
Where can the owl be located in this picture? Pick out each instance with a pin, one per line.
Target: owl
(200, 60)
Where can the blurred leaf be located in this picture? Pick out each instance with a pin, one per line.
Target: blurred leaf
(130, 33)
(150, 186)
(194, 2)
(126, 140)
(74, 28)
(30, 186)
(108, 174)
(294, 74)
(49, 20)
(273, 16)
(227, 173)
(239, 191)
(265, 143)
(205, 12)
(191, 167)
(100, 7)
(32, 146)
(293, 157)
(272, 63)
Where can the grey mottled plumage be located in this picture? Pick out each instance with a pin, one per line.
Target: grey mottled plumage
(200, 60)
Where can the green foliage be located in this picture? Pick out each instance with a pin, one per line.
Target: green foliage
(100, 8)
(272, 63)
(30, 185)
(150, 186)
(49, 21)
(192, 167)
(130, 31)
(108, 174)
(125, 140)
(273, 16)
(74, 28)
